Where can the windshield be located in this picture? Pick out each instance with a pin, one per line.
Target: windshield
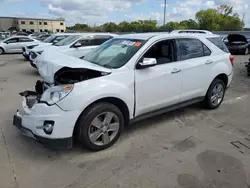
(49, 39)
(114, 53)
(67, 40)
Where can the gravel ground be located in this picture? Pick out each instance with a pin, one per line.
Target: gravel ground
(188, 148)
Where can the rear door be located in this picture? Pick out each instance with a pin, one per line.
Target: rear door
(196, 64)
(25, 41)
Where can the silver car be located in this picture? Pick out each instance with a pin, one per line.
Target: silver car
(14, 44)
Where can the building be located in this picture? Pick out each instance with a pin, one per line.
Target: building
(32, 24)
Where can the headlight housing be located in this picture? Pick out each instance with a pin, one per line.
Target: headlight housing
(55, 94)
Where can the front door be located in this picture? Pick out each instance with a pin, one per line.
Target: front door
(158, 86)
(12, 45)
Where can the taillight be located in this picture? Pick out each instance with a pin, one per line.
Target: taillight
(231, 59)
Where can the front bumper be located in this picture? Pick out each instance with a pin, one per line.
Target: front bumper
(26, 56)
(30, 121)
(62, 143)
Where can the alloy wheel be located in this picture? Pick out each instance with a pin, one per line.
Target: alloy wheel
(217, 94)
(1, 51)
(103, 128)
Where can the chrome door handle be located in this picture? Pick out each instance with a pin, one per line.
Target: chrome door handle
(209, 62)
(175, 70)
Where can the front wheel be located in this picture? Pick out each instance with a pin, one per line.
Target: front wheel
(215, 94)
(100, 126)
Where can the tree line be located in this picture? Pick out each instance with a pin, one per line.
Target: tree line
(220, 19)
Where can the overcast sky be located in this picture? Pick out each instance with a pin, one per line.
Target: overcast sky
(100, 11)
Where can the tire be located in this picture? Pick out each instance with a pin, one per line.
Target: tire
(212, 100)
(1, 51)
(85, 126)
(246, 52)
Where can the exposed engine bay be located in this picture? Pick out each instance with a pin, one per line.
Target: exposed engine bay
(73, 75)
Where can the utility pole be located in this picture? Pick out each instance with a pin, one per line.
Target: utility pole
(243, 19)
(165, 4)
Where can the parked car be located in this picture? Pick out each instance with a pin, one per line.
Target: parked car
(76, 45)
(45, 43)
(14, 44)
(237, 44)
(21, 33)
(124, 80)
(43, 37)
(191, 31)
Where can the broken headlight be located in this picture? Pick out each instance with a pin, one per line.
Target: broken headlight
(56, 94)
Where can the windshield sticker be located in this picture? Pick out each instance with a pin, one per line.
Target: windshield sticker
(128, 43)
(137, 44)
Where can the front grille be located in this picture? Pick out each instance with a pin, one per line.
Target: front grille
(33, 55)
(24, 50)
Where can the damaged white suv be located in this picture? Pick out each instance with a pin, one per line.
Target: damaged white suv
(126, 79)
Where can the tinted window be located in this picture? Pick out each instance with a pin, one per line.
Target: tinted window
(190, 48)
(217, 41)
(206, 50)
(98, 40)
(86, 42)
(13, 40)
(25, 40)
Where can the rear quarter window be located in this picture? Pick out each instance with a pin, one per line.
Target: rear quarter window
(217, 41)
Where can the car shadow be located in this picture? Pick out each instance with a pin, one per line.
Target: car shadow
(30, 72)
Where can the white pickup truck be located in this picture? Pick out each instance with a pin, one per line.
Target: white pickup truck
(124, 80)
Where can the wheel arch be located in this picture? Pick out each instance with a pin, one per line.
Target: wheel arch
(221, 76)
(3, 49)
(119, 103)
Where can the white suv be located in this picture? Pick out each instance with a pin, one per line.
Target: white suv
(124, 80)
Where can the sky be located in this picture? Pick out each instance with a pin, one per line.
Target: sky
(96, 12)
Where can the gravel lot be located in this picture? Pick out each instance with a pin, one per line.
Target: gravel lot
(188, 148)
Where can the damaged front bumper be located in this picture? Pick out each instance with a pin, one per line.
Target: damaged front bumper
(49, 125)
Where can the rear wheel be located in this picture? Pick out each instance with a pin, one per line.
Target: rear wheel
(215, 94)
(100, 126)
(1, 51)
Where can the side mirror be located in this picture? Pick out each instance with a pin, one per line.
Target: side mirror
(6, 42)
(77, 45)
(146, 62)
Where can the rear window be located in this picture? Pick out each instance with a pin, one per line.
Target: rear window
(217, 41)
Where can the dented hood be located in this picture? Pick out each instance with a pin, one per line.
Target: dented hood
(236, 38)
(51, 61)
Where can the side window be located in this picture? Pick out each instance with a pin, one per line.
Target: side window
(163, 52)
(207, 51)
(217, 41)
(190, 48)
(25, 40)
(86, 42)
(13, 40)
(98, 40)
